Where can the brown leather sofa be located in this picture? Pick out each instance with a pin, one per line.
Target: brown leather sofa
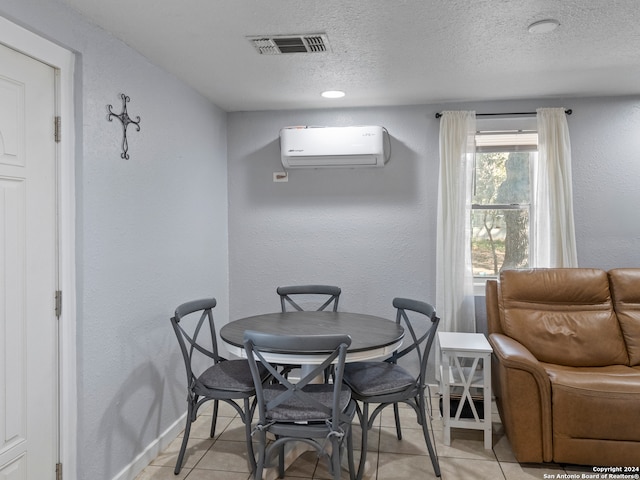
(566, 364)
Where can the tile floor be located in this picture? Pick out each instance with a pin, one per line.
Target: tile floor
(224, 456)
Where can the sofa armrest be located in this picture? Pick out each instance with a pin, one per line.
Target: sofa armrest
(523, 395)
(515, 355)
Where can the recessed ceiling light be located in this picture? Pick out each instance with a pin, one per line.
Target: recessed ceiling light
(333, 94)
(544, 26)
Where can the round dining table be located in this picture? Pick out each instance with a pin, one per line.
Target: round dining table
(371, 336)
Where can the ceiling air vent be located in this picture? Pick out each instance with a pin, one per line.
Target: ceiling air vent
(277, 45)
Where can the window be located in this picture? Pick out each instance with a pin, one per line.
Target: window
(502, 201)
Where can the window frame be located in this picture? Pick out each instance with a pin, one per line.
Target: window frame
(507, 140)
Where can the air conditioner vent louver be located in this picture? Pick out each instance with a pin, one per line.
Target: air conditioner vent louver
(316, 44)
(265, 46)
(276, 45)
(290, 45)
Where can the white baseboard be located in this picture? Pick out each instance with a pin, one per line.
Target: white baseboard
(131, 471)
(142, 460)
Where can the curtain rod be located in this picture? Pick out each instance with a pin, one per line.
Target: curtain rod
(567, 111)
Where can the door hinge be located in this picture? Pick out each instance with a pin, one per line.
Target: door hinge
(58, 471)
(58, 303)
(57, 128)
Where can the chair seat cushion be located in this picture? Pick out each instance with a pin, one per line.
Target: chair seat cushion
(376, 378)
(296, 409)
(230, 375)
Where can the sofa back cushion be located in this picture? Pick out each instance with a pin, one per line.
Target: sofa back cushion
(491, 301)
(625, 290)
(563, 316)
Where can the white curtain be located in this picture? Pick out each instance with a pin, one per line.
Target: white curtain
(555, 240)
(454, 275)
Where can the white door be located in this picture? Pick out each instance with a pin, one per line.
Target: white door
(28, 269)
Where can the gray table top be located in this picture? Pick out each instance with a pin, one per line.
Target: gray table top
(367, 331)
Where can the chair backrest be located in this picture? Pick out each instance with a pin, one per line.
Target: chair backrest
(196, 335)
(282, 400)
(308, 292)
(421, 342)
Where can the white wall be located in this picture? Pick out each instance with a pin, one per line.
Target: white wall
(605, 140)
(367, 230)
(151, 233)
(372, 231)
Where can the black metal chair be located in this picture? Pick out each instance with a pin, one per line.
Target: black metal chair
(210, 376)
(387, 383)
(319, 415)
(308, 292)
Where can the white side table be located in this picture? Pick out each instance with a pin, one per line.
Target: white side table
(457, 375)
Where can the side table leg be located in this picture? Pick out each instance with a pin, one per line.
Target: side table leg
(446, 399)
(488, 433)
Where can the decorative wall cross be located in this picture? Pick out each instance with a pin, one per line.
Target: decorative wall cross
(126, 120)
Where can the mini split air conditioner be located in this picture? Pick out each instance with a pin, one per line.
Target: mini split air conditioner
(321, 147)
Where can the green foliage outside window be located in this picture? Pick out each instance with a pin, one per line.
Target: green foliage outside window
(500, 218)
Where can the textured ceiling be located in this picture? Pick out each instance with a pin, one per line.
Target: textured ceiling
(383, 52)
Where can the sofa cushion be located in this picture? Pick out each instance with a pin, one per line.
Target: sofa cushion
(595, 403)
(625, 290)
(563, 316)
